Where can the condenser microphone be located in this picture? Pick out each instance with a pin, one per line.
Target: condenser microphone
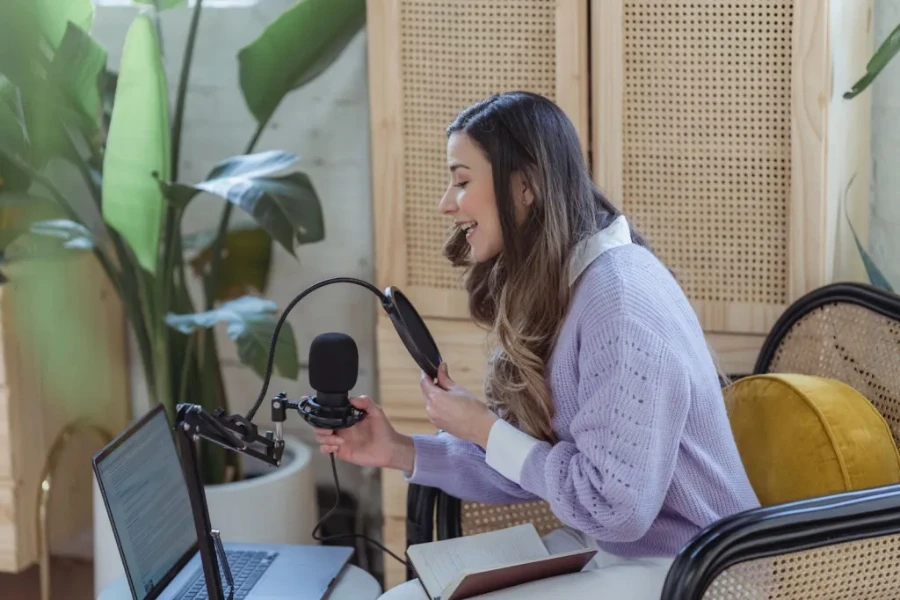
(333, 369)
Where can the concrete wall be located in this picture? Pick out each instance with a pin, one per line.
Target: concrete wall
(326, 124)
(884, 228)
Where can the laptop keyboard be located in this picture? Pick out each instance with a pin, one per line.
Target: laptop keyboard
(246, 568)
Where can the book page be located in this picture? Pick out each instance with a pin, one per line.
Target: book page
(438, 564)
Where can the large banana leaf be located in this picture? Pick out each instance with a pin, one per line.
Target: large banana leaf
(77, 69)
(55, 16)
(286, 206)
(882, 57)
(250, 323)
(296, 48)
(162, 4)
(138, 146)
(20, 37)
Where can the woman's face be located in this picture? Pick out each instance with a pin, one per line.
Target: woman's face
(470, 198)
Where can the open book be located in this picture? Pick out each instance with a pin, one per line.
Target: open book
(476, 564)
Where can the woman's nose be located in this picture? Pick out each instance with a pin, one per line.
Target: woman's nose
(447, 205)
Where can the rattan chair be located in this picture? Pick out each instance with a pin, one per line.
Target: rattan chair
(838, 547)
(846, 331)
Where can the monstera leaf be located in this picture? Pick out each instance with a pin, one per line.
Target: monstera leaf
(295, 49)
(286, 206)
(250, 323)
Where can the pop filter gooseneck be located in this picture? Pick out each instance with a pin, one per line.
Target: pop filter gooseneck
(409, 324)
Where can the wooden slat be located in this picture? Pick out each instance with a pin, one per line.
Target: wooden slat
(809, 94)
(463, 348)
(82, 376)
(608, 81)
(394, 535)
(572, 76)
(735, 353)
(9, 555)
(386, 116)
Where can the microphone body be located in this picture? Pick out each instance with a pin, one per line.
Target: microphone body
(333, 369)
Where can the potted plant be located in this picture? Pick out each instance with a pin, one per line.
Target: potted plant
(60, 102)
(885, 53)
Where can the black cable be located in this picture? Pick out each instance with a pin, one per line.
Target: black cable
(262, 394)
(339, 536)
(283, 318)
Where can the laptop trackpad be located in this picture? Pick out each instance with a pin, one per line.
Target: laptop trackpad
(299, 572)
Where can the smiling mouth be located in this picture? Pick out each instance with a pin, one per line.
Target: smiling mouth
(468, 228)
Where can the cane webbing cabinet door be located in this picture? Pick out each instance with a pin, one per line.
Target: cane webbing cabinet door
(428, 59)
(719, 127)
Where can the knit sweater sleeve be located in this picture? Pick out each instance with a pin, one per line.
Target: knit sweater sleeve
(611, 479)
(458, 468)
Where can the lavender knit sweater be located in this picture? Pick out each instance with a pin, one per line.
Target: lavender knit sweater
(646, 457)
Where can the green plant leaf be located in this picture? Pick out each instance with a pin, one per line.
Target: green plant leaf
(250, 323)
(876, 277)
(49, 239)
(293, 50)
(286, 206)
(162, 4)
(13, 135)
(138, 146)
(246, 264)
(19, 211)
(55, 16)
(20, 41)
(77, 68)
(882, 57)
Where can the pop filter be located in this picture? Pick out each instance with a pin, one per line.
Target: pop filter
(412, 331)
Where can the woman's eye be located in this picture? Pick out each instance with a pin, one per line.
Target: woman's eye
(462, 184)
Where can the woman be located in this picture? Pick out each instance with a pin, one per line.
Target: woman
(601, 397)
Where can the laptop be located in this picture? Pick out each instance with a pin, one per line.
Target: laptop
(145, 491)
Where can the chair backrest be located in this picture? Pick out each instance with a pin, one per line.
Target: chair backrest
(838, 547)
(845, 331)
(462, 517)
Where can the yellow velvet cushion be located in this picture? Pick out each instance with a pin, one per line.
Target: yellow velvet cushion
(801, 436)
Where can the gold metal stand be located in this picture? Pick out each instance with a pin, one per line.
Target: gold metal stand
(59, 444)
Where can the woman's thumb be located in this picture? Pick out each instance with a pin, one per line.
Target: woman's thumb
(362, 403)
(444, 376)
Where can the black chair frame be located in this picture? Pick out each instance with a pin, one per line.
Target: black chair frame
(779, 530)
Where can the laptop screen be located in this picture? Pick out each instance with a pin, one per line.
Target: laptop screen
(147, 499)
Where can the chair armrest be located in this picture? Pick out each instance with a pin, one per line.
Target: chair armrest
(779, 530)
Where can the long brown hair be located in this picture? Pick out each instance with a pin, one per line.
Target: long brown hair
(521, 296)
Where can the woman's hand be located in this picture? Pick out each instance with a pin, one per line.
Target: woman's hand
(372, 442)
(454, 409)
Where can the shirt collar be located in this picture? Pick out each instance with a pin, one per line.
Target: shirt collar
(618, 233)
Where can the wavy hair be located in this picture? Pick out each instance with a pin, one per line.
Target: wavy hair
(522, 295)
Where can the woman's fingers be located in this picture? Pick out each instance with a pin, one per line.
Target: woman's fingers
(327, 449)
(329, 439)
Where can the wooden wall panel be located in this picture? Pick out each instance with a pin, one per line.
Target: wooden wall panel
(48, 380)
(710, 129)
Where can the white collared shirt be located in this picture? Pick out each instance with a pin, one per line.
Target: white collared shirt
(508, 447)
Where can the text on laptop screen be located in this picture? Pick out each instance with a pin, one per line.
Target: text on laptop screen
(149, 502)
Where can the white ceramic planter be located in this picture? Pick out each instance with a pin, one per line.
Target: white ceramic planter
(276, 506)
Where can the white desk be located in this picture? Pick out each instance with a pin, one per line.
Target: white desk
(352, 584)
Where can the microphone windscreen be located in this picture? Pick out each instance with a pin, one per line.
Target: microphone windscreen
(333, 363)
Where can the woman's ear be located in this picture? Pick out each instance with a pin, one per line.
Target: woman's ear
(521, 190)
